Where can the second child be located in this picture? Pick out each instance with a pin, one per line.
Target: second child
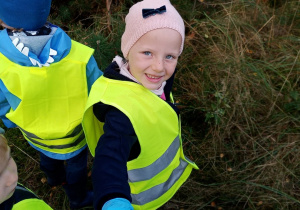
(131, 123)
(45, 79)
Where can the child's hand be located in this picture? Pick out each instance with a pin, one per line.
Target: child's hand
(25, 51)
(117, 204)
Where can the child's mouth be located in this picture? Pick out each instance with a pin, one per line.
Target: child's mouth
(153, 78)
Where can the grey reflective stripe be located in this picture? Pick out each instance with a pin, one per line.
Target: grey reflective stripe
(65, 146)
(75, 132)
(141, 174)
(29, 135)
(157, 191)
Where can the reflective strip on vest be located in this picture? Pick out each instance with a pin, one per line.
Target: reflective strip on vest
(76, 131)
(142, 174)
(157, 191)
(64, 146)
(30, 136)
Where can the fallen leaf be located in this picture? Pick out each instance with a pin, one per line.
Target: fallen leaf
(191, 35)
(44, 180)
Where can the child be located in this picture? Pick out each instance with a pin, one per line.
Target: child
(45, 78)
(139, 161)
(12, 194)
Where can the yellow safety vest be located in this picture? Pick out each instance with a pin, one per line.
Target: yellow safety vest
(32, 203)
(52, 100)
(161, 168)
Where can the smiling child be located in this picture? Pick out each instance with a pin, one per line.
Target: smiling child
(131, 123)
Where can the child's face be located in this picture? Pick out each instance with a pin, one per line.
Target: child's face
(8, 176)
(153, 58)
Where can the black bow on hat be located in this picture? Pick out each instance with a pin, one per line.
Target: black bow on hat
(150, 12)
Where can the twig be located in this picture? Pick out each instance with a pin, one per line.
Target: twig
(24, 153)
(108, 4)
(271, 18)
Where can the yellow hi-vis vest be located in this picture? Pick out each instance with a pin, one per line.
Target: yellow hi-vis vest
(52, 100)
(31, 202)
(161, 168)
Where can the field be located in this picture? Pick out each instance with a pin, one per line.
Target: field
(238, 89)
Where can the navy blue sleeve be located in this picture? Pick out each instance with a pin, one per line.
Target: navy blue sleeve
(109, 175)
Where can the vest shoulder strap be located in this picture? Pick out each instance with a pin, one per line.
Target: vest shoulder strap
(80, 52)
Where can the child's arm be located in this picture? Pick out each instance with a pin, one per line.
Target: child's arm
(109, 175)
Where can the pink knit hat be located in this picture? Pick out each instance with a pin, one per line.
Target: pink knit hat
(146, 16)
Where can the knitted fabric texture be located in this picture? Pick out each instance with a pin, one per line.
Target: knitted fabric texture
(29, 15)
(137, 25)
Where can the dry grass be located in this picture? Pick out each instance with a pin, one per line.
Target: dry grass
(240, 75)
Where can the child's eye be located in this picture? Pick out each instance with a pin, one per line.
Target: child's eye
(147, 53)
(170, 57)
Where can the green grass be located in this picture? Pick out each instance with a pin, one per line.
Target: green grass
(238, 86)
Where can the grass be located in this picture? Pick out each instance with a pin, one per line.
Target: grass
(240, 82)
(238, 88)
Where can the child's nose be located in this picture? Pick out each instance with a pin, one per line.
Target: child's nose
(158, 65)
